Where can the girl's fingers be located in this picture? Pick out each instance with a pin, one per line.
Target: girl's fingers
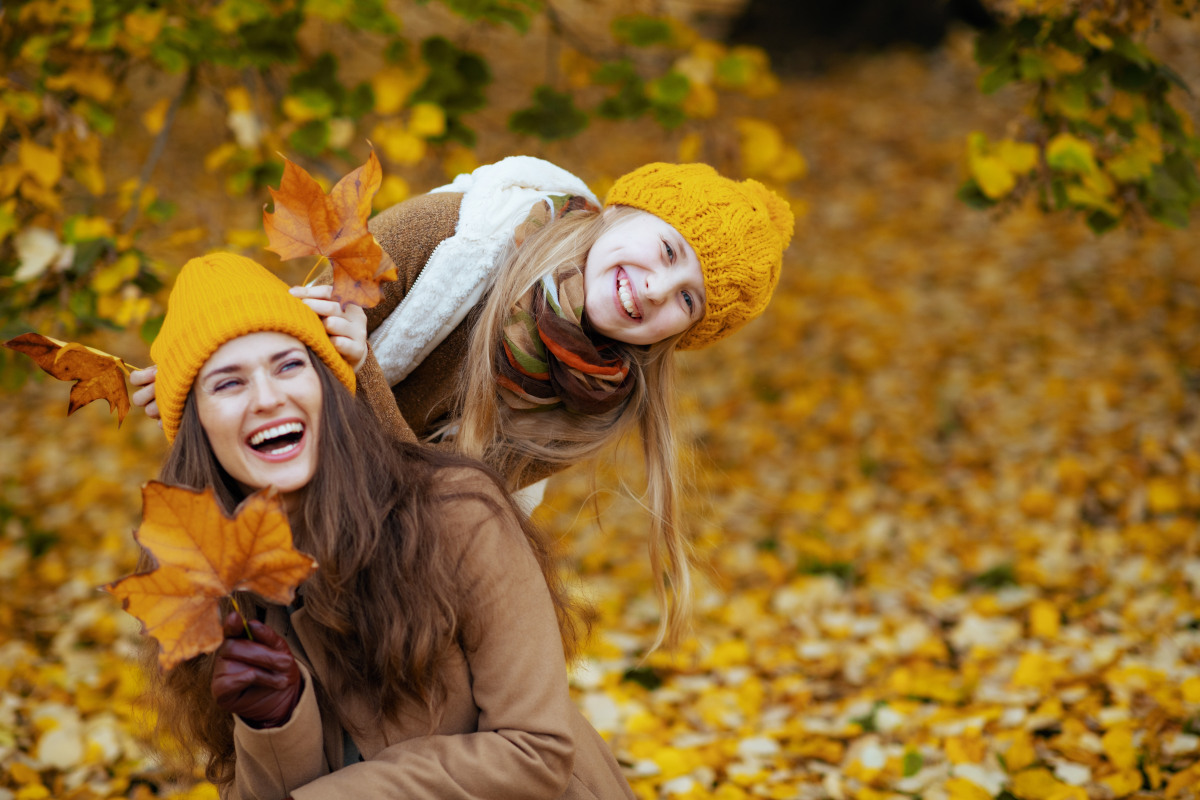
(326, 308)
(143, 377)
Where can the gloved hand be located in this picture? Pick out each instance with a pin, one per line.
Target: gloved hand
(258, 680)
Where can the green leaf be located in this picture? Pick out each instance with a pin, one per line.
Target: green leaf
(994, 47)
(1100, 222)
(997, 78)
(311, 138)
(513, 12)
(552, 116)
(642, 30)
(670, 89)
(912, 764)
(646, 677)
(973, 196)
(150, 328)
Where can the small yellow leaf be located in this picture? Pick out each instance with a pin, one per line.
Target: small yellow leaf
(238, 99)
(1071, 154)
(427, 121)
(963, 789)
(1044, 620)
(1191, 689)
(110, 276)
(1124, 783)
(1118, 746)
(94, 85)
(156, 116)
(1021, 753)
(392, 86)
(690, 147)
(42, 163)
(399, 145)
(1163, 496)
(1020, 157)
(393, 190)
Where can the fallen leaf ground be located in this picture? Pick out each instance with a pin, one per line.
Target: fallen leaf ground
(946, 506)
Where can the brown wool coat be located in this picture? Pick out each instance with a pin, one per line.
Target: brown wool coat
(509, 728)
(409, 232)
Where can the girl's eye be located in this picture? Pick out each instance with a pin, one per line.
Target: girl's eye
(670, 252)
(691, 304)
(226, 384)
(294, 363)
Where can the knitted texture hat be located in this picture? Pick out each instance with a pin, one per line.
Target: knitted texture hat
(739, 230)
(217, 298)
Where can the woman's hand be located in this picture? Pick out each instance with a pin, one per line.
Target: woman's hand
(145, 395)
(258, 680)
(347, 328)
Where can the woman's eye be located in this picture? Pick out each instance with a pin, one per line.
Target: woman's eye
(292, 364)
(670, 252)
(223, 385)
(691, 304)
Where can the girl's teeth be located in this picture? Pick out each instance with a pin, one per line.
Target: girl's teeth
(626, 298)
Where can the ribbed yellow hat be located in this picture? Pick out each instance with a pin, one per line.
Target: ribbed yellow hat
(739, 229)
(217, 298)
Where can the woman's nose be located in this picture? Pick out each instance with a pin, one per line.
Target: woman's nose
(266, 395)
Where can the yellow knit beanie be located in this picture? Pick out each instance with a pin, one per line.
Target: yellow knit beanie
(739, 230)
(217, 298)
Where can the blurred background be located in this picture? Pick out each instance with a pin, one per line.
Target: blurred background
(944, 495)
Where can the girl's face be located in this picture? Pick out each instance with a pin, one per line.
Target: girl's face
(259, 401)
(642, 281)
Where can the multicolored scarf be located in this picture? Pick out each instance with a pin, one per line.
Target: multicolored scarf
(547, 358)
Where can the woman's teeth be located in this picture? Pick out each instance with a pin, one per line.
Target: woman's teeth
(627, 298)
(288, 434)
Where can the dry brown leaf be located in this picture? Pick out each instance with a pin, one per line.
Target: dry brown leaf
(97, 375)
(201, 556)
(306, 221)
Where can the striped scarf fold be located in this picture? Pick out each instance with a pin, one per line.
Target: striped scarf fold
(549, 359)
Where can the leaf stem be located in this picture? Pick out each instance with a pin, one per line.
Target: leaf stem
(311, 272)
(245, 624)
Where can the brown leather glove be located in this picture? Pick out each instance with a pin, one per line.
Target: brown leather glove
(258, 680)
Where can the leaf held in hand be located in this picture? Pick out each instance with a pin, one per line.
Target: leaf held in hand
(201, 555)
(306, 221)
(97, 375)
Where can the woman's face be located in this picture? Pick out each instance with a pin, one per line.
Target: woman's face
(259, 401)
(642, 281)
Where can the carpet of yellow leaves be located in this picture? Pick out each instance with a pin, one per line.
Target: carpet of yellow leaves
(946, 507)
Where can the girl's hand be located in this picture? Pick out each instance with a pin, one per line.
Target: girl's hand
(258, 680)
(347, 329)
(145, 395)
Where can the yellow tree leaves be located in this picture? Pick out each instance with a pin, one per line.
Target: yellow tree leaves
(202, 556)
(97, 375)
(306, 222)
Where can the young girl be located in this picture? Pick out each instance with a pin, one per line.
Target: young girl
(531, 329)
(425, 657)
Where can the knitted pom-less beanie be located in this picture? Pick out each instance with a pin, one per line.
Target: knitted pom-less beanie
(739, 230)
(217, 298)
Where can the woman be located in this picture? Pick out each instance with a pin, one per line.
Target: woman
(425, 657)
(531, 329)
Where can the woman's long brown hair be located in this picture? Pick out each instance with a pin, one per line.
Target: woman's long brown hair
(369, 516)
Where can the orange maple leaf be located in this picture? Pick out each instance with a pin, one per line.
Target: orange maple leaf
(97, 375)
(201, 555)
(307, 222)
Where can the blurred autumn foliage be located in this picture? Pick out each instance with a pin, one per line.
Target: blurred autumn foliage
(947, 490)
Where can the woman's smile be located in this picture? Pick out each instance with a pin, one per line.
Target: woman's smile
(259, 400)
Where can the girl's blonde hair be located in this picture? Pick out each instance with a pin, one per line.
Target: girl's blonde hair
(515, 441)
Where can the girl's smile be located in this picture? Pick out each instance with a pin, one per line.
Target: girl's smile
(642, 281)
(259, 401)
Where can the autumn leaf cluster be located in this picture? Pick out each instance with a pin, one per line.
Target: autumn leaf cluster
(945, 511)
